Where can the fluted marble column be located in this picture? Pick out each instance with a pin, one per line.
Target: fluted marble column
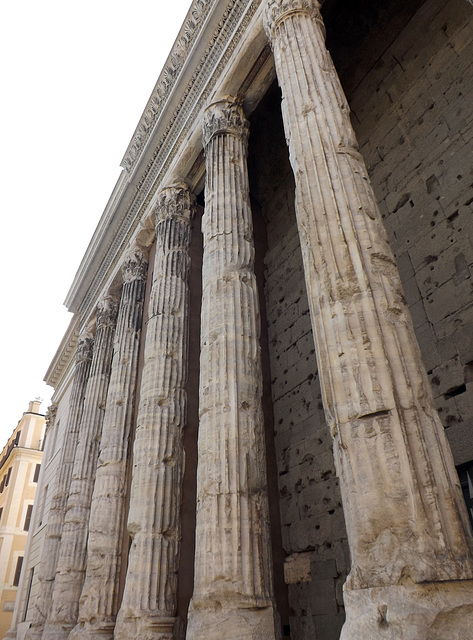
(72, 553)
(405, 516)
(52, 539)
(98, 603)
(149, 601)
(233, 592)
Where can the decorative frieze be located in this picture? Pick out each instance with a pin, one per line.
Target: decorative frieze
(233, 589)
(149, 601)
(72, 554)
(403, 508)
(52, 540)
(99, 599)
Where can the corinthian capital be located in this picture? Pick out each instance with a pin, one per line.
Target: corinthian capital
(107, 310)
(278, 10)
(84, 347)
(225, 116)
(50, 415)
(175, 201)
(135, 266)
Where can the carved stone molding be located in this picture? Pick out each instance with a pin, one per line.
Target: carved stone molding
(85, 347)
(167, 80)
(135, 266)
(221, 45)
(107, 311)
(226, 116)
(50, 415)
(278, 10)
(175, 201)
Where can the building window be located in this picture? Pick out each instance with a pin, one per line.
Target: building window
(1, 513)
(43, 505)
(465, 474)
(2, 484)
(19, 563)
(29, 511)
(36, 473)
(28, 593)
(7, 477)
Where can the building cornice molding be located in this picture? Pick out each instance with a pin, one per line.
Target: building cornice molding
(192, 27)
(65, 354)
(188, 91)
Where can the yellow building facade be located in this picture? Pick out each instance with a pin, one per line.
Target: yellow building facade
(20, 465)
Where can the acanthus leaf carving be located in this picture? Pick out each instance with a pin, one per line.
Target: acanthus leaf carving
(225, 116)
(135, 266)
(277, 10)
(107, 311)
(175, 201)
(84, 347)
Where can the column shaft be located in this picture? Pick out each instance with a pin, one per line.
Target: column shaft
(233, 593)
(402, 504)
(98, 603)
(72, 554)
(149, 601)
(52, 540)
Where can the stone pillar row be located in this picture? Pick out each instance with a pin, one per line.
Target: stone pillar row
(412, 567)
(99, 598)
(73, 549)
(149, 603)
(52, 538)
(404, 513)
(233, 565)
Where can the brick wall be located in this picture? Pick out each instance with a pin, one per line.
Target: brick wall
(414, 120)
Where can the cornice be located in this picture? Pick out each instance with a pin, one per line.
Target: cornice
(65, 354)
(161, 134)
(195, 19)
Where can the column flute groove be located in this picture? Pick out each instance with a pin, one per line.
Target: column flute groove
(149, 603)
(72, 554)
(405, 517)
(233, 589)
(98, 605)
(52, 540)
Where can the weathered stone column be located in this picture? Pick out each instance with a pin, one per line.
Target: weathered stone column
(98, 605)
(149, 601)
(52, 540)
(72, 553)
(405, 517)
(233, 593)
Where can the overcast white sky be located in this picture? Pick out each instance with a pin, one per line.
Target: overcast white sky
(75, 78)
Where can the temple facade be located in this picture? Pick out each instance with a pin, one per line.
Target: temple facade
(263, 413)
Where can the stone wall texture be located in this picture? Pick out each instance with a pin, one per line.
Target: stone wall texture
(413, 118)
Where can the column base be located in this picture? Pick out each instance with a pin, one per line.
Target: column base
(428, 611)
(34, 633)
(146, 627)
(230, 623)
(56, 632)
(103, 630)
